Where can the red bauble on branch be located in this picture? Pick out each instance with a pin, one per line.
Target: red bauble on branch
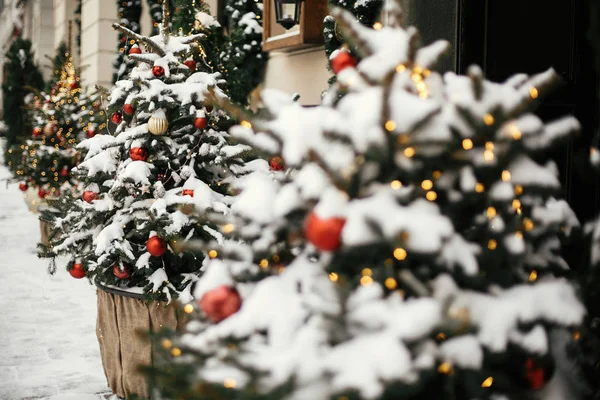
(200, 122)
(77, 271)
(36, 132)
(187, 192)
(191, 64)
(276, 163)
(23, 186)
(138, 154)
(88, 196)
(158, 71)
(42, 193)
(324, 233)
(220, 302)
(135, 49)
(122, 271)
(341, 61)
(116, 118)
(156, 246)
(64, 172)
(128, 109)
(74, 85)
(91, 132)
(535, 374)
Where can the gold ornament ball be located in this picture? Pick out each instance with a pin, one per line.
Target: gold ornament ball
(50, 128)
(158, 125)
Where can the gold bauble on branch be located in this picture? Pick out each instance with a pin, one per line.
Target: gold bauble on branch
(50, 128)
(158, 124)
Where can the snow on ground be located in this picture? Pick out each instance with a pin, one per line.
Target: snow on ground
(48, 345)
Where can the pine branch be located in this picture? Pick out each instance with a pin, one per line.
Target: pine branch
(142, 58)
(228, 106)
(395, 12)
(476, 75)
(140, 38)
(165, 21)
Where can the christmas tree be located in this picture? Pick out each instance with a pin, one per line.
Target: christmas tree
(129, 16)
(59, 60)
(168, 156)
(192, 18)
(22, 76)
(47, 158)
(410, 250)
(243, 60)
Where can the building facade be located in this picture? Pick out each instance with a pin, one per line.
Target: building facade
(46, 24)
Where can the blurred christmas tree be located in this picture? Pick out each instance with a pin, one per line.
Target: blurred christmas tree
(22, 77)
(243, 61)
(47, 158)
(409, 250)
(58, 62)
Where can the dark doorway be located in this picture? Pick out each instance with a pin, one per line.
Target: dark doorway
(509, 36)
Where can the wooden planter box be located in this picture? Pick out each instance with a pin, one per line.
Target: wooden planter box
(123, 321)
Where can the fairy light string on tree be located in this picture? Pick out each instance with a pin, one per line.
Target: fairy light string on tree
(443, 203)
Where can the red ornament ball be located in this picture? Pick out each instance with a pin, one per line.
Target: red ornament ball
(156, 246)
(342, 61)
(91, 133)
(135, 49)
(74, 85)
(42, 193)
(64, 172)
(200, 122)
(158, 71)
(88, 196)
(191, 64)
(138, 154)
(77, 271)
(220, 303)
(128, 109)
(36, 132)
(23, 186)
(276, 164)
(187, 192)
(324, 234)
(122, 272)
(116, 118)
(535, 375)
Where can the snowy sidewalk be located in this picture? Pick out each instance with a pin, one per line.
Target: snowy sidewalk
(48, 346)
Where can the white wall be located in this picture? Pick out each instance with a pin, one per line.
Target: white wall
(42, 34)
(303, 72)
(64, 11)
(98, 42)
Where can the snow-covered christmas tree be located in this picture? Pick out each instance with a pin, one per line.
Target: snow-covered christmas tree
(169, 155)
(243, 61)
(47, 158)
(410, 250)
(22, 76)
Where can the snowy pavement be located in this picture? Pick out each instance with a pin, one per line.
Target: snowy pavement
(48, 346)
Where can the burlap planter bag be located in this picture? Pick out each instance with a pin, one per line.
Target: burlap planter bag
(44, 233)
(123, 322)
